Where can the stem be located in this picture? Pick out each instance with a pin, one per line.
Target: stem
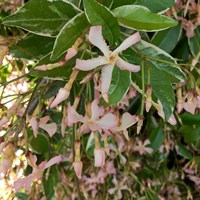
(143, 89)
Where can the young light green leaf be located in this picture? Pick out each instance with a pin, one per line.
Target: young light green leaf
(141, 18)
(69, 34)
(97, 14)
(42, 17)
(156, 5)
(119, 86)
(167, 39)
(27, 49)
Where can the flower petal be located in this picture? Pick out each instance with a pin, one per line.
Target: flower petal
(86, 65)
(96, 110)
(73, 116)
(106, 77)
(128, 120)
(53, 161)
(49, 128)
(123, 65)
(108, 121)
(128, 42)
(34, 124)
(70, 53)
(96, 38)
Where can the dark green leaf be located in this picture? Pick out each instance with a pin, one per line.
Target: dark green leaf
(97, 14)
(40, 144)
(117, 3)
(194, 42)
(27, 48)
(42, 17)
(119, 86)
(157, 137)
(50, 183)
(167, 39)
(182, 151)
(190, 119)
(156, 5)
(141, 18)
(69, 34)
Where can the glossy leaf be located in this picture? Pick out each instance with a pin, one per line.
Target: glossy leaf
(156, 138)
(27, 49)
(190, 119)
(156, 5)
(42, 17)
(97, 14)
(119, 86)
(40, 144)
(194, 42)
(167, 39)
(69, 34)
(141, 18)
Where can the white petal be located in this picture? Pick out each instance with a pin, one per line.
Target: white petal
(86, 65)
(96, 38)
(123, 65)
(96, 110)
(106, 77)
(128, 42)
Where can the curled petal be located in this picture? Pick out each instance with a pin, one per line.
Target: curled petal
(61, 96)
(34, 124)
(96, 38)
(128, 120)
(128, 42)
(123, 65)
(86, 65)
(44, 120)
(106, 77)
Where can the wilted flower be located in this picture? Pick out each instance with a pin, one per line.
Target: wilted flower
(109, 60)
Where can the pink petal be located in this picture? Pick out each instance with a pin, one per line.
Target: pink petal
(128, 120)
(108, 121)
(148, 150)
(123, 65)
(5, 165)
(49, 128)
(44, 120)
(41, 67)
(106, 77)
(61, 96)
(172, 120)
(96, 110)
(73, 116)
(146, 142)
(86, 65)
(128, 42)
(34, 124)
(53, 161)
(96, 38)
(70, 53)
(99, 157)
(3, 121)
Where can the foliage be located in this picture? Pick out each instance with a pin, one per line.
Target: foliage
(100, 99)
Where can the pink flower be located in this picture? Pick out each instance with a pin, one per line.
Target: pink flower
(36, 173)
(190, 103)
(78, 166)
(141, 147)
(42, 123)
(126, 121)
(109, 60)
(99, 157)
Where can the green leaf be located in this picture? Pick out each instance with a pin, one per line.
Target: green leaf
(194, 42)
(167, 39)
(69, 34)
(42, 17)
(157, 137)
(141, 18)
(190, 119)
(182, 151)
(155, 5)
(50, 183)
(97, 14)
(119, 86)
(117, 3)
(39, 144)
(27, 49)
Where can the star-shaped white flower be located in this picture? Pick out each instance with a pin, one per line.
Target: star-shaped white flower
(110, 58)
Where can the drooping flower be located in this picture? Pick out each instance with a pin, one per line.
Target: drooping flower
(36, 173)
(109, 60)
(42, 123)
